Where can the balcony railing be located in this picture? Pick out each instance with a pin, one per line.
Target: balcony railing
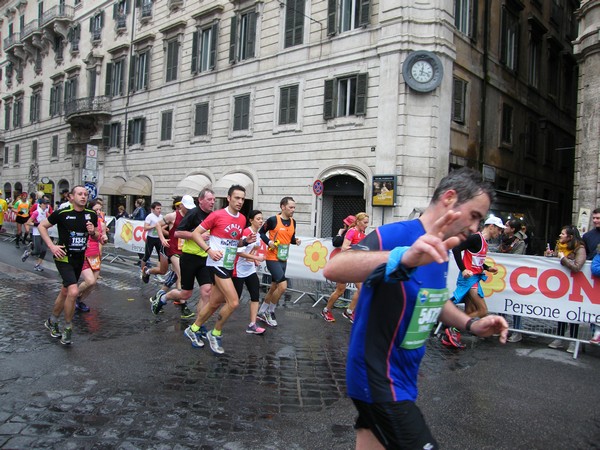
(87, 106)
(30, 28)
(12, 40)
(58, 12)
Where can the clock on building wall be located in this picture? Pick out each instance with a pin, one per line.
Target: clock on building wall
(422, 71)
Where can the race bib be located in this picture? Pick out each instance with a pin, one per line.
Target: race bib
(428, 306)
(229, 257)
(77, 242)
(94, 262)
(283, 250)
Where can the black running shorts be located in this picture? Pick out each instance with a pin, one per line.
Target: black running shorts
(220, 272)
(193, 267)
(252, 283)
(70, 271)
(277, 270)
(397, 425)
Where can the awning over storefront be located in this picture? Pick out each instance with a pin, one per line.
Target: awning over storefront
(222, 186)
(111, 186)
(139, 185)
(192, 185)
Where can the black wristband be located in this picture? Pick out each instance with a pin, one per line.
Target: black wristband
(470, 322)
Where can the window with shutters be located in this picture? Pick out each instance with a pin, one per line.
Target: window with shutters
(554, 72)
(532, 140)
(74, 36)
(115, 78)
(145, 7)
(136, 131)
(54, 148)
(241, 112)
(201, 122)
(345, 96)
(35, 104)
(71, 86)
(34, 151)
(294, 22)
(17, 154)
(120, 10)
(535, 61)
(7, 115)
(242, 39)
(465, 16)
(111, 135)
(509, 50)
(58, 45)
(6, 155)
(18, 112)
(96, 24)
(346, 15)
(288, 105)
(172, 59)
(287, 114)
(166, 126)
(204, 48)
(56, 96)
(139, 75)
(459, 100)
(506, 127)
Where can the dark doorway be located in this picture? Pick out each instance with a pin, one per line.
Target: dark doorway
(343, 195)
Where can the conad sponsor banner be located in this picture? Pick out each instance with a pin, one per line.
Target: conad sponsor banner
(531, 286)
(538, 287)
(130, 235)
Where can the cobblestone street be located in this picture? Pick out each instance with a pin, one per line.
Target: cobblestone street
(131, 380)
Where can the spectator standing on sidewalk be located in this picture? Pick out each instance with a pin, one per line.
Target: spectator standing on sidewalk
(512, 243)
(592, 237)
(404, 267)
(571, 251)
(596, 272)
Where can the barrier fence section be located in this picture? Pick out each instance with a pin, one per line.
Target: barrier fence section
(534, 287)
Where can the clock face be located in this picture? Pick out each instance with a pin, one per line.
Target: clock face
(422, 71)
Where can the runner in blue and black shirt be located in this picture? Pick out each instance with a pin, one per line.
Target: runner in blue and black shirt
(404, 267)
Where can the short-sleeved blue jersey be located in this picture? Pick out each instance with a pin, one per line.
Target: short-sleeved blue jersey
(378, 368)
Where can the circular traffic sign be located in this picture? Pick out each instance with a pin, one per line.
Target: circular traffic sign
(318, 187)
(92, 190)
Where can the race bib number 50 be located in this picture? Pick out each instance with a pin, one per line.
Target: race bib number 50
(428, 306)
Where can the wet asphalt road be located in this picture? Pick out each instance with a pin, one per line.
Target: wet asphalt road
(133, 381)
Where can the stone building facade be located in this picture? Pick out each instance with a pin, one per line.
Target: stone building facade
(286, 96)
(587, 157)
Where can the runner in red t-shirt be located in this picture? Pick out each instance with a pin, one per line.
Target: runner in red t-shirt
(226, 227)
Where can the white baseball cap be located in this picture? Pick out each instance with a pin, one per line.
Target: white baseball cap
(493, 220)
(188, 202)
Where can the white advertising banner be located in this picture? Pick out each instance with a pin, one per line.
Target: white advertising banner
(130, 235)
(530, 286)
